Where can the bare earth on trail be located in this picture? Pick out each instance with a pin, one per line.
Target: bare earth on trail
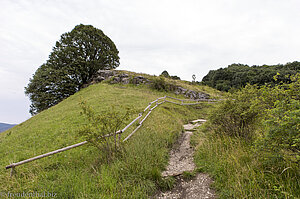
(197, 188)
(181, 159)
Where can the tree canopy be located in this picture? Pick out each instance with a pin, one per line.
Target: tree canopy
(238, 75)
(166, 75)
(75, 58)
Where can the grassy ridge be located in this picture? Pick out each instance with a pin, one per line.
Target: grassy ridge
(80, 172)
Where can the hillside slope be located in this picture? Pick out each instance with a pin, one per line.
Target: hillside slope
(80, 172)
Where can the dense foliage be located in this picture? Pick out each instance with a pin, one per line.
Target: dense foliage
(74, 59)
(166, 75)
(269, 114)
(266, 120)
(238, 75)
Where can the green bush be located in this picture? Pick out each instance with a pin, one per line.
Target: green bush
(282, 138)
(282, 126)
(100, 131)
(165, 74)
(267, 165)
(237, 115)
(269, 116)
(160, 84)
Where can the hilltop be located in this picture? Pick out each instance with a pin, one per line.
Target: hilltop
(80, 172)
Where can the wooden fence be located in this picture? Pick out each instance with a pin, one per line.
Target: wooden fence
(140, 119)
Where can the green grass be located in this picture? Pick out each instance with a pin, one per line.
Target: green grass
(80, 172)
(239, 172)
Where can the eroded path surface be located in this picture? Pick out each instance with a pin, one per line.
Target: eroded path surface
(181, 159)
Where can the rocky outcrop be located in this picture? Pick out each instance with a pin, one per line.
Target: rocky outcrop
(191, 94)
(115, 77)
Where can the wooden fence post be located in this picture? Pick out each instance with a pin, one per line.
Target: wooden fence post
(117, 144)
(12, 171)
(115, 137)
(140, 114)
(119, 138)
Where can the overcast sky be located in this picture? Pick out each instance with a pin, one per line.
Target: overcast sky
(184, 37)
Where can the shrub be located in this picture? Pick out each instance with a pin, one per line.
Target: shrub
(268, 165)
(283, 130)
(282, 126)
(237, 115)
(159, 83)
(269, 115)
(100, 131)
(165, 74)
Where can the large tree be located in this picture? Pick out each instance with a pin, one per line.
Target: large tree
(74, 59)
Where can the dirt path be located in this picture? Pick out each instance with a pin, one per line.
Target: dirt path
(181, 159)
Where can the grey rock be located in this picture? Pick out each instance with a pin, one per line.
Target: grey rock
(202, 95)
(138, 80)
(125, 81)
(98, 79)
(179, 90)
(115, 80)
(191, 94)
(123, 75)
(106, 73)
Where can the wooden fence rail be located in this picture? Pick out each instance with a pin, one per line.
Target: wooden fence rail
(157, 103)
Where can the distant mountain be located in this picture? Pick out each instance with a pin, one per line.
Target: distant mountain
(4, 127)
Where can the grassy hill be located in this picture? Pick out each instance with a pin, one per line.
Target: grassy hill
(80, 172)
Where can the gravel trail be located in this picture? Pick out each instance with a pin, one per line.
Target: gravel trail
(181, 159)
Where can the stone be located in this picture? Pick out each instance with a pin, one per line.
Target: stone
(179, 90)
(115, 80)
(105, 73)
(123, 75)
(183, 91)
(98, 79)
(202, 95)
(125, 81)
(191, 94)
(137, 80)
